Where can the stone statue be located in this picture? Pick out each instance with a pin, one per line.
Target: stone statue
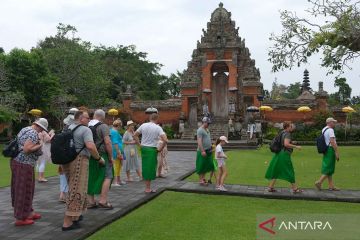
(181, 128)
(206, 112)
(231, 105)
(231, 127)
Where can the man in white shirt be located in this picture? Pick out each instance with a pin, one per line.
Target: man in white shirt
(151, 133)
(329, 157)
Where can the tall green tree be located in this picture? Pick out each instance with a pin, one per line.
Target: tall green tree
(337, 38)
(292, 91)
(81, 73)
(126, 66)
(29, 75)
(344, 93)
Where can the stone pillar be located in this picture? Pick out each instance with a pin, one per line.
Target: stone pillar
(232, 77)
(206, 78)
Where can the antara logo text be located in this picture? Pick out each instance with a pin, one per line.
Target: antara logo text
(270, 225)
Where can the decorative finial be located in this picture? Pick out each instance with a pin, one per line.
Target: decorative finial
(221, 4)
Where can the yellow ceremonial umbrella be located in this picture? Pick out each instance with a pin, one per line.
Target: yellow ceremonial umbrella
(304, 109)
(113, 112)
(265, 109)
(35, 112)
(347, 110)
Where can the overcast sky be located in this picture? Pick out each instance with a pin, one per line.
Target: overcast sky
(166, 30)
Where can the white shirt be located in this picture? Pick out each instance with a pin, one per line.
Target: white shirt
(219, 149)
(328, 134)
(150, 134)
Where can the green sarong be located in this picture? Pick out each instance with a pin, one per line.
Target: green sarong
(204, 164)
(96, 174)
(328, 162)
(149, 162)
(281, 167)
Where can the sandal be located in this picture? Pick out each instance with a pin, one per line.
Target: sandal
(151, 191)
(106, 206)
(298, 190)
(318, 186)
(203, 183)
(271, 189)
(92, 205)
(334, 189)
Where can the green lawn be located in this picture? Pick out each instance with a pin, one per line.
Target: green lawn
(194, 216)
(5, 176)
(249, 167)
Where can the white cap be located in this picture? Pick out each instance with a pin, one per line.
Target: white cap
(223, 138)
(128, 123)
(330, 119)
(43, 123)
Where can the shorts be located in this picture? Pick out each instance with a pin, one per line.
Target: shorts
(221, 162)
(109, 174)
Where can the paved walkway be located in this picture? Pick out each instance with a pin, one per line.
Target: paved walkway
(127, 198)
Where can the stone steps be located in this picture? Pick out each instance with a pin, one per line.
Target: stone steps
(191, 145)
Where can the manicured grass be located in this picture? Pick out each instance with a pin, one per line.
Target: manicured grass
(249, 167)
(5, 176)
(195, 216)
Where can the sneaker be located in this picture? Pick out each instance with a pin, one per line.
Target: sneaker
(122, 182)
(223, 189)
(24, 222)
(217, 187)
(115, 185)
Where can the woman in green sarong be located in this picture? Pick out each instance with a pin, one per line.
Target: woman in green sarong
(281, 166)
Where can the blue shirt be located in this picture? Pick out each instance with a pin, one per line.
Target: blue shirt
(116, 139)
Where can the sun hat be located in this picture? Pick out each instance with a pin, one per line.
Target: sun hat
(330, 119)
(70, 117)
(223, 138)
(43, 123)
(128, 123)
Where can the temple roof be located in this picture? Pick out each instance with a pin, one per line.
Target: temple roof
(220, 13)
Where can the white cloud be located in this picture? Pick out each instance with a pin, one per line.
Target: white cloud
(166, 30)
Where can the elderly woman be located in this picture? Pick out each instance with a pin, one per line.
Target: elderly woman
(130, 150)
(22, 170)
(117, 150)
(281, 166)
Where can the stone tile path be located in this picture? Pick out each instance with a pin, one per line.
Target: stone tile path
(129, 197)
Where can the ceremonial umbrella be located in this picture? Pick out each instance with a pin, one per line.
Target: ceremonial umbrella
(35, 112)
(252, 109)
(347, 110)
(266, 109)
(113, 112)
(304, 109)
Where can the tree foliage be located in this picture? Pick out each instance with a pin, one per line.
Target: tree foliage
(337, 38)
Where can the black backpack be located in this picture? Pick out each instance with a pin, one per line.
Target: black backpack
(11, 150)
(276, 144)
(63, 149)
(95, 135)
(321, 145)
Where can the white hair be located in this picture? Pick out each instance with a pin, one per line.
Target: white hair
(99, 113)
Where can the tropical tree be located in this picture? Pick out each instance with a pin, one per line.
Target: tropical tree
(337, 38)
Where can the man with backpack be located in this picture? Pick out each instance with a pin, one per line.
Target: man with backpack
(77, 171)
(100, 177)
(329, 156)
